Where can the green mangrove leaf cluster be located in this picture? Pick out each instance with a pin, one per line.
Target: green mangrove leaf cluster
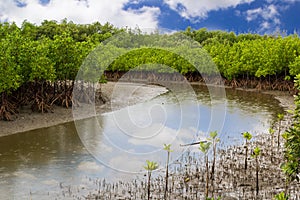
(292, 141)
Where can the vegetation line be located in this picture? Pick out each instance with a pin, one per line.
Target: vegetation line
(39, 64)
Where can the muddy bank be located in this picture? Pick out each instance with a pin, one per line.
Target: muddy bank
(27, 120)
(262, 83)
(123, 94)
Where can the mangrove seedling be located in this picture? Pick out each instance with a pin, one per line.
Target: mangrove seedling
(256, 153)
(279, 118)
(151, 166)
(168, 149)
(213, 137)
(247, 137)
(272, 131)
(204, 147)
(281, 196)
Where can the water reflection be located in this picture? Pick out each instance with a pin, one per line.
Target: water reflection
(38, 163)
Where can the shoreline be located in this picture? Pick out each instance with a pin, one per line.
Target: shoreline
(285, 98)
(27, 120)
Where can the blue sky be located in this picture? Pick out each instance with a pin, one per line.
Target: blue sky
(240, 16)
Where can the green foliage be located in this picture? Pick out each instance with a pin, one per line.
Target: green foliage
(167, 147)
(137, 59)
(271, 131)
(213, 135)
(54, 51)
(295, 66)
(10, 76)
(281, 196)
(66, 44)
(42, 68)
(248, 55)
(204, 147)
(292, 141)
(256, 152)
(255, 56)
(280, 116)
(151, 166)
(64, 53)
(247, 136)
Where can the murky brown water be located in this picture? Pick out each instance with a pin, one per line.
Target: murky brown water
(38, 164)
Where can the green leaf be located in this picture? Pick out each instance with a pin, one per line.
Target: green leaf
(168, 147)
(256, 152)
(247, 136)
(204, 146)
(151, 165)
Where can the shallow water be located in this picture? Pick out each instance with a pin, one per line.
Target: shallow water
(41, 164)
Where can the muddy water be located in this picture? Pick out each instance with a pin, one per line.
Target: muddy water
(43, 164)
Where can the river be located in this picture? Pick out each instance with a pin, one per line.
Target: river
(41, 164)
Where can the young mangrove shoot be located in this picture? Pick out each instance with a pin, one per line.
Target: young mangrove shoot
(281, 196)
(151, 166)
(204, 147)
(213, 137)
(256, 154)
(168, 149)
(279, 118)
(272, 131)
(247, 137)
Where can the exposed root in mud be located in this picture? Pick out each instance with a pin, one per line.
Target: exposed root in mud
(269, 83)
(42, 95)
(7, 108)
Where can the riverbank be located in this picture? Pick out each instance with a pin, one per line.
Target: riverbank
(123, 94)
(27, 120)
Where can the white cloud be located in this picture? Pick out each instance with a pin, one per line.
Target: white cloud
(290, 1)
(265, 25)
(190, 9)
(80, 12)
(268, 17)
(282, 1)
(267, 13)
(253, 14)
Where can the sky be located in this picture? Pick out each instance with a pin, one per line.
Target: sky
(239, 16)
